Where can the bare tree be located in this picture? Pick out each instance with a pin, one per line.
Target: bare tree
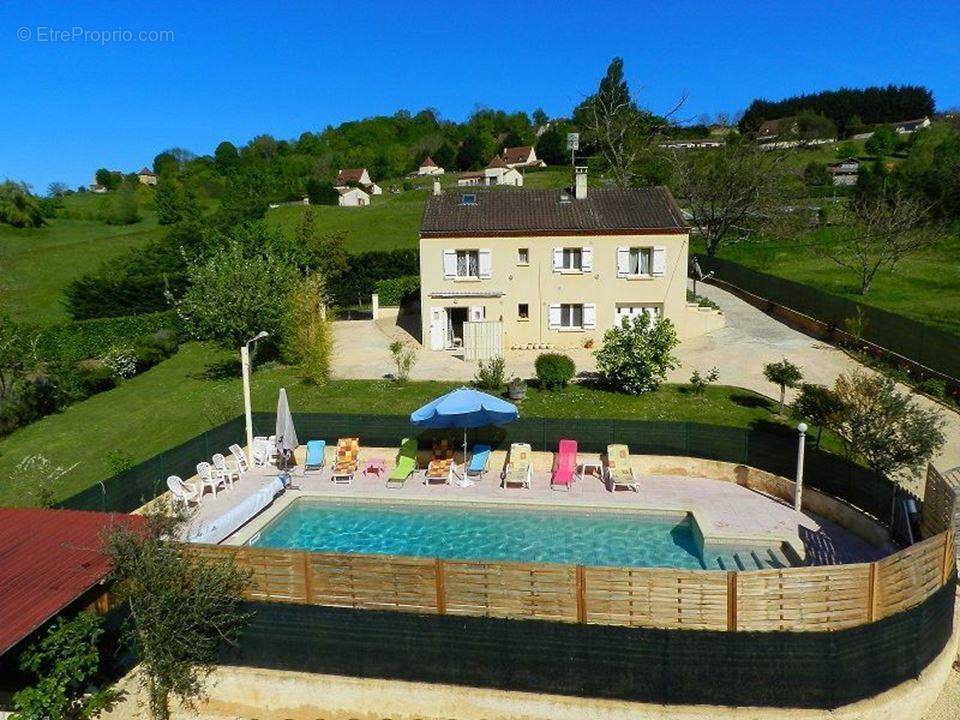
(729, 188)
(884, 228)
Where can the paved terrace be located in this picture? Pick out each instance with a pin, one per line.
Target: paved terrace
(725, 512)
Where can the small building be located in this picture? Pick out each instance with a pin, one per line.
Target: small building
(907, 127)
(98, 188)
(523, 156)
(359, 176)
(429, 167)
(496, 173)
(147, 177)
(701, 144)
(351, 196)
(845, 172)
(772, 129)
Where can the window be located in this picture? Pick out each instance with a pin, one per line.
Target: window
(640, 261)
(571, 316)
(572, 259)
(468, 199)
(523, 311)
(523, 256)
(468, 263)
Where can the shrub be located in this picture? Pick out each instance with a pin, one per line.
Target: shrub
(699, 383)
(784, 374)
(554, 370)
(404, 358)
(394, 291)
(934, 387)
(307, 335)
(636, 355)
(819, 405)
(491, 374)
(121, 361)
(71, 342)
(95, 378)
(364, 269)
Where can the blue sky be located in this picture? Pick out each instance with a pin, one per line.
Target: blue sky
(236, 70)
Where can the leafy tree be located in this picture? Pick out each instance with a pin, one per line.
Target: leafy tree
(847, 149)
(226, 155)
(784, 374)
(932, 171)
(18, 206)
(124, 209)
(324, 252)
(815, 173)
(551, 147)
(108, 179)
(182, 608)
(65, 661)
(445, 155)
(637, 354)
(814, 126)
(173, 202)
(57, 189)
(308, 336)
(322, 193)
(819, 405)
(243, 198)
(883, 141)
(540, 118)
(166, 164)
(470, 156)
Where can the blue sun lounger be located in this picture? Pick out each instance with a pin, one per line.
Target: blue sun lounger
(315, 449)
(479, 461)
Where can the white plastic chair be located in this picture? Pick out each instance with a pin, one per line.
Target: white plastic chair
(240, 457)
(264, 450)
(182, 492)
(208, 479)
(229, 473)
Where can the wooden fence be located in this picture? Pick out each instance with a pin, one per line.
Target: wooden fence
(800, 599)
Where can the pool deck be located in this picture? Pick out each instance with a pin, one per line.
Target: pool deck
(727, 514)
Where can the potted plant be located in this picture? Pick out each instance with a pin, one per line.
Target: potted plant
(517, 389)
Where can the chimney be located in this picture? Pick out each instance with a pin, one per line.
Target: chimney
(436, 187)
(580, 182)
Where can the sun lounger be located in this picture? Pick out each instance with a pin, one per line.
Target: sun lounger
(441, 468)
(348, 459)
(315, 451)
(564, 465)
(406, 463)
(619, 470)
(182, 493)
(519, 470)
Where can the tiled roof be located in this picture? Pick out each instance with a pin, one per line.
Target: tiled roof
(145, 171)
(505, 212)
(497, 162)
(517, 154)
(350, 175)
(428, 162)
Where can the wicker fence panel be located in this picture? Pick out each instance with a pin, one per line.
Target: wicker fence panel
(910, 576)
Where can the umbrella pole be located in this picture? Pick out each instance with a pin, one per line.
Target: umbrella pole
(464, 448)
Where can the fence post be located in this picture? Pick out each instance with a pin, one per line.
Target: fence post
(872, 593)
(441, 587)
(581, 595)
(731, 601)
(945, 571)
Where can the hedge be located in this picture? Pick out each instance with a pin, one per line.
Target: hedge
(394, 291)
(83, 339)
(365, 269)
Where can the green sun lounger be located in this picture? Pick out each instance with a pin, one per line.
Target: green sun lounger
(406, 463)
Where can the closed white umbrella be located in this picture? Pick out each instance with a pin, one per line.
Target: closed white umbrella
(286, 432)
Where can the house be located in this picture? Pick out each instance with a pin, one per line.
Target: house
(701, 144)
(844, 172)
(771, 129)
(147, 177)
(351, 196)
(359, 176)
(524, 156)
(429, 167)
(496, 173)
(554, 268)
(906, 127)
(98, 188)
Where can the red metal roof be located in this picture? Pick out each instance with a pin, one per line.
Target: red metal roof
(48, 559)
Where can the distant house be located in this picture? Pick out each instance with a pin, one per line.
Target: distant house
(351, 196)
(524, 156)
(361, 177)
(147, 177)
(98, 188)
(496, 173)
(429, 167)
(693, 144)
(771, 129)
(845, 172)
(907, 127)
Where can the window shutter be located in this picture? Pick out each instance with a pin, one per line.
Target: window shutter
(557, 259)
(623, 262)
(659, 260)
(586, 259)
(486, 263)
(589, 316)
(553, 317)
(449, 264)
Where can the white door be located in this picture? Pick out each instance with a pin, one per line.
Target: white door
(438, 328)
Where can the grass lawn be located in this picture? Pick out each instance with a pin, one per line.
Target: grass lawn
(36, 264)
(924, 287)
(176, 400)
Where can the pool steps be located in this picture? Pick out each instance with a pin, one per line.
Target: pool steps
(759, 559)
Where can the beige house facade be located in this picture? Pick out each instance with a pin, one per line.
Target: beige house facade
(555, 269)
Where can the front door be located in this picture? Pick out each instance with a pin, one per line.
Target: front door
(438, 328)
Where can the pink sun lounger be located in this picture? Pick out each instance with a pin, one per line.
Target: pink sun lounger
(564, 465)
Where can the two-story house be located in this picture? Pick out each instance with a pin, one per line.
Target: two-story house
(554, 267)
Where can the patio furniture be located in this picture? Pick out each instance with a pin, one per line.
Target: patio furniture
(374, 466)
(519, 470)
(240, 457)
(619, 470)
(208, 479)
(229, 473)
(406, 463)
(348, 458)
(315, 452)
(182, 493)
(477, 467)
(584, 467)
(564, 465)
(441, 468)
(264, 450)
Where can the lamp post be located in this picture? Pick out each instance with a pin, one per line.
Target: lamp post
(798, 493)
(247, 405)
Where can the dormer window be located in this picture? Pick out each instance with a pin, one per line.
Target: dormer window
(468, 199)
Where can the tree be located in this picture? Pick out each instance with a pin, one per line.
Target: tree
(108, 179)
(243, 197)
(65, 661)
(57, 189)
(815, 173)
(819, 405)
(182, 608)
(883, 141)
(165, 164)
(785, 374)
(124, 209)
(637, 354)
(322, 193)
(885, 227)
(729, 186)
(233, 294)
(540, 118)
(307, 336)
(324, 252)
(226, 155)
(18, 206)
(173, 202)
(552, 147)
(470, 155)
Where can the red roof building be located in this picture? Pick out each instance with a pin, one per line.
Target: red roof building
(49, 559)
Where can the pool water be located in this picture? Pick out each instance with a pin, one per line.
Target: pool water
(486, 533)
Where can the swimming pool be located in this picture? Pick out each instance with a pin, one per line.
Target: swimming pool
(585, 537)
